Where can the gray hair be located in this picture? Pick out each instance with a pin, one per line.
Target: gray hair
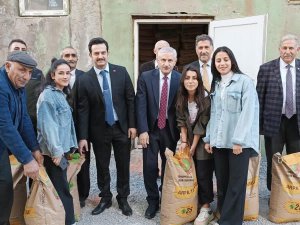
(204, 37)
(289, 37)
(67, 47)
(168, 50)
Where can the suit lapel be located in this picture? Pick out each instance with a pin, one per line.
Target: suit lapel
(95, 83)
(76, 73)
(155, 86)
(173, 88)
(278, 74)
(112, 75)
(297, 65)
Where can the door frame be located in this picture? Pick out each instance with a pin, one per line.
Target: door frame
(161, 19)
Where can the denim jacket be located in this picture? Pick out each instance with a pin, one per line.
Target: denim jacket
(56, 131)
(235, 119)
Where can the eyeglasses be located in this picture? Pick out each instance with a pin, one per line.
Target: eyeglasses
(68, 55)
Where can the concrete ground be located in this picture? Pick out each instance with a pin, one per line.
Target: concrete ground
(114, 216)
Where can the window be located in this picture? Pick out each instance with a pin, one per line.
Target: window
(43, 7)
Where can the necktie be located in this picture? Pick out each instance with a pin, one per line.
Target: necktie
(109, 113)
(161, 123)
(289, 93)
(205, 78)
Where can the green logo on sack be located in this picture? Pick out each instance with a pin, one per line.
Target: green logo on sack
(293, 207)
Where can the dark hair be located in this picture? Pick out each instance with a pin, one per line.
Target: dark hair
(96, 41)
(234, 66)
(204, 37)
(48, 79)
(18, 41)
(182, 96)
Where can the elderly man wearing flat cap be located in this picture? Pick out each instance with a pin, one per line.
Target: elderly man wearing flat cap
(17, 136)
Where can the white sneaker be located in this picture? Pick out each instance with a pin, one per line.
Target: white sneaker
(213, 222)
(204, 217)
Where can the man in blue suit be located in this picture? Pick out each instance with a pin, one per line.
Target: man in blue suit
(156, 120)
(278, 88)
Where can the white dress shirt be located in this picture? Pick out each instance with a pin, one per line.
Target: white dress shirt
(72, 78)
(283, 71)
(208, 68)
(100, 80)
(161, 81)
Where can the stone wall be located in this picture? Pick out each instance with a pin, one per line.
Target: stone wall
(46, 36)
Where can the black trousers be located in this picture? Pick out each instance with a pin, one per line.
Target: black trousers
(83, 177)
(205, 171)
(115, 137)
(231, 173)
(6, 188)
(288, 136)
(159, 140)
(59, 179)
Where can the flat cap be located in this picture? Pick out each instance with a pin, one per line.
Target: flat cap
(23, 58)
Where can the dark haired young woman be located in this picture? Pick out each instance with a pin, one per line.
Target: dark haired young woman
(232, 134)
(56, 132)
(193, 110)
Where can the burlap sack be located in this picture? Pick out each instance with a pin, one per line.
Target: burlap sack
(285, 188)
(74, 167)
(43, 205)
(20, 197)
(251, 211)
(17, 170)
(180, 189)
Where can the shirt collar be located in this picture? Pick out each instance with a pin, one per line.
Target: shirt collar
(161, 75)
(99, 70)
(208, 63)
(73, 72)
(53, 88)
(283, 64)
(155, 64)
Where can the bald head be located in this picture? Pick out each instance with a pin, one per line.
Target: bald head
(160, 44)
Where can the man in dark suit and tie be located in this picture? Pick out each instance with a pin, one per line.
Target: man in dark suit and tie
(156, 120)
(278, 87)
(83, 178)
(150, 65)
(106, 117)
(204, 48)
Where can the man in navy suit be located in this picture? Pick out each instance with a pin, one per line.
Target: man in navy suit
(156, 120)
(106, 117)
(83, 178)
(278, 87)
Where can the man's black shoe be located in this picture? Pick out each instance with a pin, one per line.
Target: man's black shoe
(101, 207)
(82, 203)
(151, 211)
(124, 206)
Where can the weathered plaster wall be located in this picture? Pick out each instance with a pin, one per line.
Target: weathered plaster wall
(46, 36)
(118, 25)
